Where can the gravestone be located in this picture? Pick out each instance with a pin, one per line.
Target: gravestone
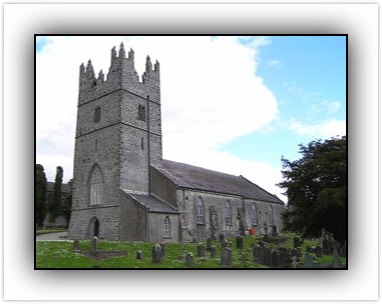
(189, 260)
(221, 237)
(308, 261)
(76, 246)
(209, 244)
(226, 257)
(258, 254)
(200, 249)
(139, 255)
(213, 252)
(94, 244)
(157, 253)
(294, 263)
(163, 249)
(276, 258)
(239, 242)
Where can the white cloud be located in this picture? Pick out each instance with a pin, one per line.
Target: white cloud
(327, 129)
(274, 63)
(210, 95)
(330, 107)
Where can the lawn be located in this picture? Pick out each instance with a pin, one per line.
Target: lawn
(60, 255)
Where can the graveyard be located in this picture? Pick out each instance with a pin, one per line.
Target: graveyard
(242, 252)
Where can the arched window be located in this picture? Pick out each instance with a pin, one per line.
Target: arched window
(96, 186)
(270, 216)
(228, 213)
(167, 228)
(200, 211)
(254, 218)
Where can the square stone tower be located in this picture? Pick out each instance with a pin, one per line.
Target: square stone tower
(118, 137)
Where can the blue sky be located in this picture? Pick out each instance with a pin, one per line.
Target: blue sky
(232, 104)
(307, 75)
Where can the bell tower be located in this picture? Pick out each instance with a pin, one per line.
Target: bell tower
(118, 137)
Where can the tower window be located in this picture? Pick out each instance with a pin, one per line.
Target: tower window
(141, 113)
(97, 114)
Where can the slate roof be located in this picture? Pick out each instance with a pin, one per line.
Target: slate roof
(192, 177)
(152, 203)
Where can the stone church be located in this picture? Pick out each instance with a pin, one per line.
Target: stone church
(122, 187)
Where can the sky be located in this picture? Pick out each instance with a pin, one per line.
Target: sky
(232, 104)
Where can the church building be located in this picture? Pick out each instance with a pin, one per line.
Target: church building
(122, 187)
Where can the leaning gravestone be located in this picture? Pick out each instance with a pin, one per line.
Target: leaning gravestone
(226, 258)
(239, 242)
(189, 260)
(157, 253)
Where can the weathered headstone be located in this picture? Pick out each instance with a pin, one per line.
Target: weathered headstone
(94, 244)
(308, 261)
(258, 254)
(226, 257)
(294, 263)
(239, 242)
(163, 249)
(200, 249)
(139, 255)
(76, 246)
(189, 260)
(221, 237)
(157, 253)
(213, 251)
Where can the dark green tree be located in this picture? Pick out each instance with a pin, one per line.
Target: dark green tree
(55, 207)
(316, 187)
(40, 194)
(67, 204)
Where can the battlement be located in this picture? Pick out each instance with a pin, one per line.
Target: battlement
(121, 76)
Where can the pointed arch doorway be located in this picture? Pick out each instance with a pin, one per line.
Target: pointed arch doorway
(94, 228)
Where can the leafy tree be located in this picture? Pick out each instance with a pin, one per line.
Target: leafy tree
(55, 207)
(316, 187)
(40, 194)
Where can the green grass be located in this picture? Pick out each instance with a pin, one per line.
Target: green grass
(59, 254)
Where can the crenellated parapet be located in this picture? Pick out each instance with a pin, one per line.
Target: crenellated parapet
(121, 76)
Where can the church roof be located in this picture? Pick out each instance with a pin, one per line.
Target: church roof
(65, 188)
(151, 203)
(192, 177)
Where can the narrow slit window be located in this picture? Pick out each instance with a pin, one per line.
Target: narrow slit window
(141, 113)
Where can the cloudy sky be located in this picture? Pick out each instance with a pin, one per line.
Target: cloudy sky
(232, 104)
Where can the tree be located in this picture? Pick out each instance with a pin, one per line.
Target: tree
(40, 194)
(316, 187)
(67, 204)
(55, 207)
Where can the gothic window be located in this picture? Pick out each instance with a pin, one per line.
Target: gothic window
(97, 114)
(200, 211)
(167, 228)
(96, 186)
(228, 213)
(254, 218)
(270, 216)
(141, 113)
